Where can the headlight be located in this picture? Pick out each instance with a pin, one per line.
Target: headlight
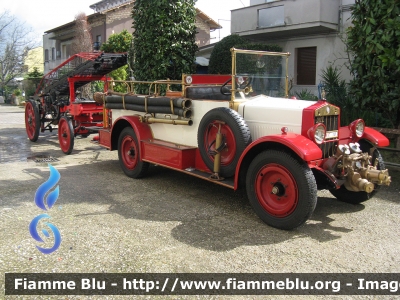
(317, 133)
(357, 127)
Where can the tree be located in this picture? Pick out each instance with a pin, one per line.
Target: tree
(14, 46)
(32, 81)
(221, 59)
(118, 42)
(164, 39)
(374, 43)
(82, 41)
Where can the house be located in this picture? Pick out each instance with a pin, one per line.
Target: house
(34, 59)
(110, 16)
(310, 30)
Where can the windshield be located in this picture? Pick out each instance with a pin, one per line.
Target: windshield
(259, 72)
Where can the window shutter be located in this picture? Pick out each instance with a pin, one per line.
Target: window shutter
(306, 65)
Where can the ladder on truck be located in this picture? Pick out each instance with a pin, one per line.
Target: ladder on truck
(79, 70)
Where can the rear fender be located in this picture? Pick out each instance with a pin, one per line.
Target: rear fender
(142, 130)
(303, 147)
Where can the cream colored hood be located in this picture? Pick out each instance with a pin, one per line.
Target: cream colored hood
(267, 115)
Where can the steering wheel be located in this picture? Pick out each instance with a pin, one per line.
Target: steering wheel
(246, 83)
(224, 90)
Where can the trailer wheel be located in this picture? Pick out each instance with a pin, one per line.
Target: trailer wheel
(344, 195)
(129, 154)
(66, 135)
(32, 120)
(281, 190)
(236, 137)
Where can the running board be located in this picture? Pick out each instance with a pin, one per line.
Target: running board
(177, 157)
(94, 128)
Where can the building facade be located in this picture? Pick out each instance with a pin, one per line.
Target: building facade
(311, 30)
(109, 17)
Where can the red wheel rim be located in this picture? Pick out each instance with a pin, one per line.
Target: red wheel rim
(228, 153)
(129, 152)
(64, 135)
(30, 120)
(276, 190)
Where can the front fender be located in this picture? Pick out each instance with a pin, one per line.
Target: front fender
(142, 130)
(375, 137)
(305, 148)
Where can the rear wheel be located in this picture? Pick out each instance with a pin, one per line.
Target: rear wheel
(32, 120)
(66, 135)
(281, 190)
(129, 154)
(343, 194)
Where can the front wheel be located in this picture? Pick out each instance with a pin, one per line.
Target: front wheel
(66, 135)
(281, 190)
(129, 154)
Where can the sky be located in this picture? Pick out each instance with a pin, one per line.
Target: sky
(42, 15)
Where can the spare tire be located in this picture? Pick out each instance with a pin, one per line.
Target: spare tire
(236, 137)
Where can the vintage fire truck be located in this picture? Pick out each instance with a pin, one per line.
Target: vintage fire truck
(238, 131)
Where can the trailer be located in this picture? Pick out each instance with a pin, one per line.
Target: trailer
(240, 131)
(57, 102)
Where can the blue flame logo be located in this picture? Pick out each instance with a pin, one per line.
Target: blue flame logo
(40, 198)
(45, 187)
(35, 234)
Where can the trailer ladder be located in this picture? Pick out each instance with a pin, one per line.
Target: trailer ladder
(83, 68)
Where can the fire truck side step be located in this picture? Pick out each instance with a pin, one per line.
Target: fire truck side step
(94, 128)
(177, 157)
(227, 182)
(168, 154)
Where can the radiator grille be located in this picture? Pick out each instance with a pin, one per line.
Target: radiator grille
(328, 148)
(331, 123)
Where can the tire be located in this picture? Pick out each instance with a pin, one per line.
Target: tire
(344, 195)
(32, 120)
(129, 154)
(236, 135)
(66, 135)
(281, 190)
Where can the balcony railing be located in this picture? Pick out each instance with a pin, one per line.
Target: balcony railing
(286, 18)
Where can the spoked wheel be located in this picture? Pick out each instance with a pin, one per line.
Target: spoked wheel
(129, 154)
(281, 190)
(66, 135)
(32, 120)
(236, 137)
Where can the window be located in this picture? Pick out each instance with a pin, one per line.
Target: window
(306, 65)
(98, 38)
(46, 55)
(53, 53)
(272, 16)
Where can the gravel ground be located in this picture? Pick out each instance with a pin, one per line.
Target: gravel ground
(169, 222)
